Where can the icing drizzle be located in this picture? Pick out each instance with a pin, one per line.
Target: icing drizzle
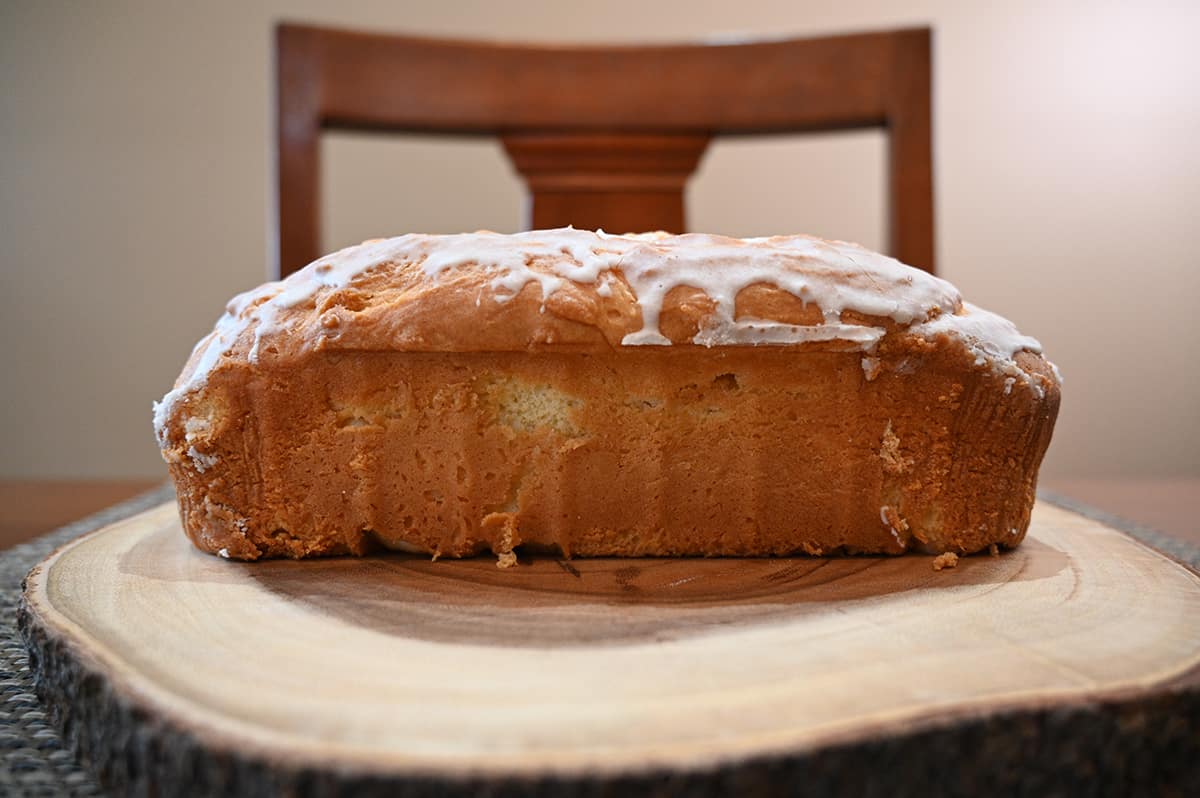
(834, 275)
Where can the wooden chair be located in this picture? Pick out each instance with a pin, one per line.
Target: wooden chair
(603, 136)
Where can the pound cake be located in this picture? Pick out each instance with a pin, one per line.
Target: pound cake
(592, 394)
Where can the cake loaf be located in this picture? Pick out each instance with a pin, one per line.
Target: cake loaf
(592, 394)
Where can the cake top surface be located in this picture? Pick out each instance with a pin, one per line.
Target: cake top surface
(581, 289)
(833, 275)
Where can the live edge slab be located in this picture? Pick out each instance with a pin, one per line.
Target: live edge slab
(1069, 664)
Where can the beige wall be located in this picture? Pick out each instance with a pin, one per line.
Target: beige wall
(134, 191)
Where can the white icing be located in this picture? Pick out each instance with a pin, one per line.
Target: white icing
(987, 336)
(883, 517)
(223, 553)
(834, 275)
(715, 331)
(870, 367)
(201, 461)
(991, 338)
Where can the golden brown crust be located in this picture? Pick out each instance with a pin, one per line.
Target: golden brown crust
(390, 299)
(662, 452)
(401, 411)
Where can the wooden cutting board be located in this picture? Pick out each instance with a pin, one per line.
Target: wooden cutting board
(1072, 661)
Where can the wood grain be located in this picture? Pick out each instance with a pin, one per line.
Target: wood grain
(557, 108)
(629, 183)
(397, 670)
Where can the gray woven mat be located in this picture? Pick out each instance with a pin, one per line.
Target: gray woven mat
(32, 761)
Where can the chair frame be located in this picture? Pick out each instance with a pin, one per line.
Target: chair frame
(603, 136)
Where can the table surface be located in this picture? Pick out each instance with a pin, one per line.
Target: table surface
(31, 507)
(1170, 505)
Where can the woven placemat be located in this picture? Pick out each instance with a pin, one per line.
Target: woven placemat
(32, 760)
(34, 763)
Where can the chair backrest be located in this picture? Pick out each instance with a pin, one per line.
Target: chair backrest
(603, 136)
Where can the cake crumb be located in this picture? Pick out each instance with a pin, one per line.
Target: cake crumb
(201, 461)
(946, 560)
(889, 451)
(892, 519)
(994, 550)
(505, 556)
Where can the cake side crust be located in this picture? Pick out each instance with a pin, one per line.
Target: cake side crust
(733, 451)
